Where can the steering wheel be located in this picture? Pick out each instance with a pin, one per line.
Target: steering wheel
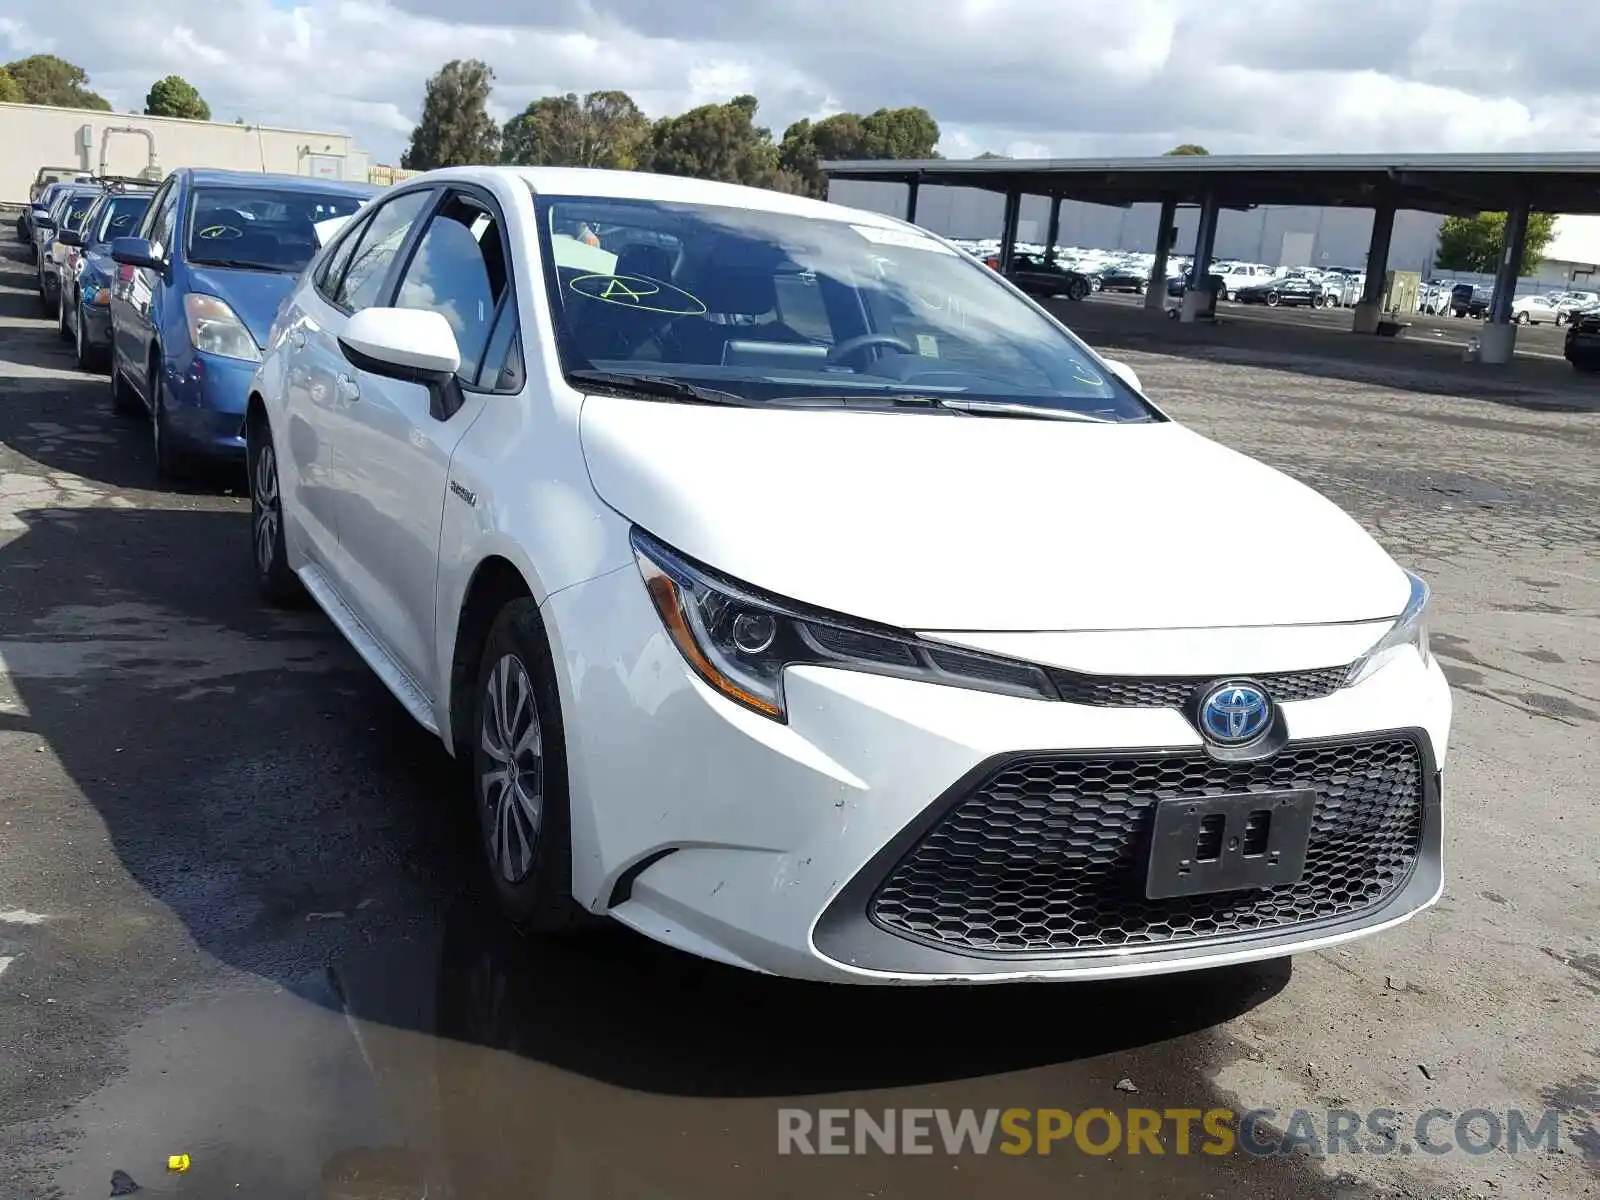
(850, 346)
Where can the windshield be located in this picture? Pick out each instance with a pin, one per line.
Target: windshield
(260, 228)
(78, 208)
(768, 305)
(121, 217)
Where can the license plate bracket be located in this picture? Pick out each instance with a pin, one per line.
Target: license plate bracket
(1229, 843)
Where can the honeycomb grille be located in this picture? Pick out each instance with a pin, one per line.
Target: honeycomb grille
(1170, 691)
(1048, 854)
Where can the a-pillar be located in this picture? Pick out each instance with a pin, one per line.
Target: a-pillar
(1497, 341)
(912, 187)
(1054, 230)
(1197, 296)
(1155, 292)
(1369, 309)
(1008, 235)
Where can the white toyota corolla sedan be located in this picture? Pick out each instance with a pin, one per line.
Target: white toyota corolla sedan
(807, 598)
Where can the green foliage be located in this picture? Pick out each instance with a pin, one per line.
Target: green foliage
(1188, 148)
(455, 129)
(887, 133)
(46, 79)
(1478, 243)
(175, 96)
(716, 141)
(604, 129)
(990, 154)
(10, 89)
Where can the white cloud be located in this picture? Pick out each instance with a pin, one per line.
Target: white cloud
(1021, 77)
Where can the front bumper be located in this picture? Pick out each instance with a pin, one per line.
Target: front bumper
(766, 845)
(206, 405)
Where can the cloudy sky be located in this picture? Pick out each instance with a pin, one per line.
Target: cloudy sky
(1022, 77)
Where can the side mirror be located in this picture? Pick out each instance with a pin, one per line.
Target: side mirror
(42, 219)
(415, 345)
(70, 237)
(136, 252)
(1125, 373)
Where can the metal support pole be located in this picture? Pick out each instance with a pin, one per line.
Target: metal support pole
(1510, 266)
(1368, 311)
(1008, 235)
(1054, 230)
(1197, 297)
(912, 188)
(1155, 292)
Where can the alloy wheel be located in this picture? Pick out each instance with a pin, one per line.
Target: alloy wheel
(268, 514)
(511, 788)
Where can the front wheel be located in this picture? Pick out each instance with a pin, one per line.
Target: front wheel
(169, 459)
(277, 583)
(62, 331)
(1272, 299)
(520, 774)
(1522, 318)
(1078, 289)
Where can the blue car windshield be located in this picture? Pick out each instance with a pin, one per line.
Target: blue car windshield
(771, 306)
(78, 208)
(260, 228)
(120, 217)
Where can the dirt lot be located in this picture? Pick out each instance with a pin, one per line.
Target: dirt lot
(237, 916)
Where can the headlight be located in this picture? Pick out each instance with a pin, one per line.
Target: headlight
(216, 329)
(1409, 633)
(739, 641)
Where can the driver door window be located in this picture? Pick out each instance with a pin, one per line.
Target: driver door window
(459, 271)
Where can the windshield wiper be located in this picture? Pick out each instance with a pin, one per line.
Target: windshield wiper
(586, 379)
(959, 404)
(240, 265)
(1011, 408)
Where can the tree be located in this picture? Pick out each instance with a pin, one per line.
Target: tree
(1188, 148)
(886, 133)
(604, 129)
(175, 96)
(716, 141)
(46, 79)
(1478, 243)
(455, 129)
(989, 154)
(10, 89)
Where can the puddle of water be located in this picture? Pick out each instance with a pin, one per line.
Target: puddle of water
(480, 1064)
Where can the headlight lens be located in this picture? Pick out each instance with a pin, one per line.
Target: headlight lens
(1409, 633)
(739, 641)
(217, 329)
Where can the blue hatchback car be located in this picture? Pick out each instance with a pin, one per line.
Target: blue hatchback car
(195, 295)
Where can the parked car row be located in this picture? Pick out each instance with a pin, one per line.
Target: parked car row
(490, 420)
(172, 287)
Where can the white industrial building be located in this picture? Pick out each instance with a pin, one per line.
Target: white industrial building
(34, 136)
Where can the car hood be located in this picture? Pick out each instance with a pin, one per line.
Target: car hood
(254, 295)
(952, 523)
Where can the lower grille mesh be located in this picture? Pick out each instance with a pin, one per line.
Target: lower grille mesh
(1048, 854)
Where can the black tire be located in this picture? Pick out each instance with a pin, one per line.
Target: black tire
(170, 464)
(275, 580)
(533, 884)
(62, 331)
(85, 355)
(1587, 366)
(1078, 289)
(124, 402)
(1272, 299)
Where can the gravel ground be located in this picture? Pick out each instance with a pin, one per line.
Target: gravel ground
(238, 917)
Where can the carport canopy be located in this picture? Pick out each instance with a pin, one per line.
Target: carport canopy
(1453, 184)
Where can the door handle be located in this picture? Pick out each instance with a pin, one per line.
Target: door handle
(346, 390)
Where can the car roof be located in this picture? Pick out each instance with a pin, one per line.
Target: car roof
(297, 183)
(645, 185)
